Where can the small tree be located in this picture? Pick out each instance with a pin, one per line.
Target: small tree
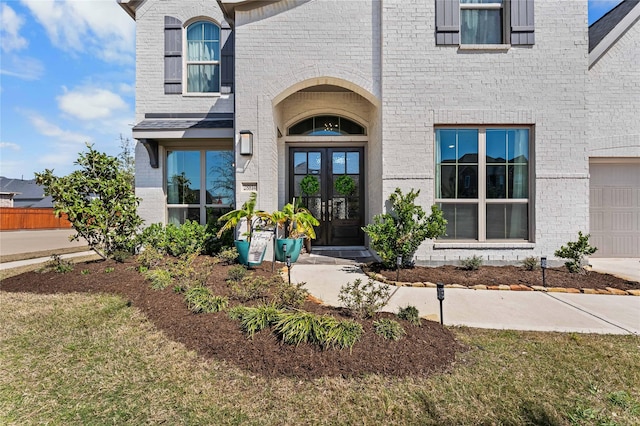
(98, 200)
(400, 232)
(575, 251)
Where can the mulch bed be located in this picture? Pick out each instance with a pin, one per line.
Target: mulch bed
(505, 275)
(424, 350)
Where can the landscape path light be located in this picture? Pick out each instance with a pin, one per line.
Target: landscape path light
(543, 266)
(398, 264)
(440, 289)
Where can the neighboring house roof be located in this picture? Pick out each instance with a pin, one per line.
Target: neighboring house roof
(607, 30)
(27, 192)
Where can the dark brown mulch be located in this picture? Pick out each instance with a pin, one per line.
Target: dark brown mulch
(505, 275)
(424, 350)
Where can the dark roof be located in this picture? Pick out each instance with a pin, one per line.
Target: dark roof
(172, 124)
(603, 26)
(28, 193)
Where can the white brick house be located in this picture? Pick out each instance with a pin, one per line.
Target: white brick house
(498, 112)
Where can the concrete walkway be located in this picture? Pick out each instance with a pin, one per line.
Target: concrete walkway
(539, 311)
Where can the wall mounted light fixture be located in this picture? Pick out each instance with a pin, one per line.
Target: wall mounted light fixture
(246, 142)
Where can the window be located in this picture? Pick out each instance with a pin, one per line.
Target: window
(485, 22)
(482, 182)
(186, 173)
(203, 57)
(481, 22)
(326, 125)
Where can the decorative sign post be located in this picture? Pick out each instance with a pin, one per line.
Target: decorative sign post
(440, 288)
(258, 245)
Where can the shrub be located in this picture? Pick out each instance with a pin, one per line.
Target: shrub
(237, 273)
(472, 263)
(256, 319)
(290, 295)
(154, 236)
(98, 200)
(363, 300)
(299, 327)
(185, 239)
(389, 329)
(530, 263)
(215, 244)
(228, 256)
(160, 278)
(409, 313)
(250, 287)
(200, 299)
(121, 255)
(575, 251)
(150, 256)
(400, 232)
(341, 334)
(57, 264)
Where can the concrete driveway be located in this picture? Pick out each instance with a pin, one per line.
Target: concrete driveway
(628, 269)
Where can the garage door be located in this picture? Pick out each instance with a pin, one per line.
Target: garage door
(615, 209)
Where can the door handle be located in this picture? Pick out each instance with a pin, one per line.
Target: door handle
(323, 206)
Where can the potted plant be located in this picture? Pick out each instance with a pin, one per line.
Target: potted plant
(248, 213)
(297, 223)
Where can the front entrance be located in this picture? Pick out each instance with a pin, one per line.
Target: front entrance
(330, 182)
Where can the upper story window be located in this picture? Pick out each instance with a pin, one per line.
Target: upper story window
(485, 22)
(326, 125)
(203, 57)
(481, 22)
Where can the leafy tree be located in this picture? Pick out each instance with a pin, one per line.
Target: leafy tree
(98, 200)
(400, 232)
(127, 158)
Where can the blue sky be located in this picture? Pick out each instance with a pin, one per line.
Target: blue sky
(67, 77)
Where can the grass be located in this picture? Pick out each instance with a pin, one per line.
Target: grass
(86, 359)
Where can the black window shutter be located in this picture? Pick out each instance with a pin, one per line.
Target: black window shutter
(172, 55)
(448, 22)
(522, 23)
(227, 58)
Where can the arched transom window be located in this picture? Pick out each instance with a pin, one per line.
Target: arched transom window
(326, 125)
(203, 57)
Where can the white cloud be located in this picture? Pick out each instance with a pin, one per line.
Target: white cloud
(22, 67)
(90, 103)
(10, 23)
(46, 128)
(98, 27)
(10, 145)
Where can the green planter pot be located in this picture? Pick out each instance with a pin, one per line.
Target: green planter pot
(294, 246)
(243, 253)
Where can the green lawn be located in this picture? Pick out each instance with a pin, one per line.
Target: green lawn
(80, 359)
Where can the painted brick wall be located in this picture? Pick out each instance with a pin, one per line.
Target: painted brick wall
(150, 95)
(425, 85)
(614, 98)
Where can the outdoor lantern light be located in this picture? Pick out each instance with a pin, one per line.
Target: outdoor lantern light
(543, 265)
(440, 288)
(246, 142)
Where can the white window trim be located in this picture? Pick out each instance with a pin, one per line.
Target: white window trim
(482, 200)
(186, 62)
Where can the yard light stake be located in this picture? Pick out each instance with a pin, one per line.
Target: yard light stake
(543, 266)
(398, 264)
(289, 267)
(440, 289)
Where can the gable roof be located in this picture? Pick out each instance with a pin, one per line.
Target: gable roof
(27, 192)
(614, 24)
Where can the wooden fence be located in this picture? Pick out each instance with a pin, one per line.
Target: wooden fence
(12, 218)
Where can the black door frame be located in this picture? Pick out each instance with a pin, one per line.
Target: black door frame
(326, 232)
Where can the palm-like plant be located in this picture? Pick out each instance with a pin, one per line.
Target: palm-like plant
(295, 219)
(247, 212)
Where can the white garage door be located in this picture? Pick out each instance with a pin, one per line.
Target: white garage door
(615, 209)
